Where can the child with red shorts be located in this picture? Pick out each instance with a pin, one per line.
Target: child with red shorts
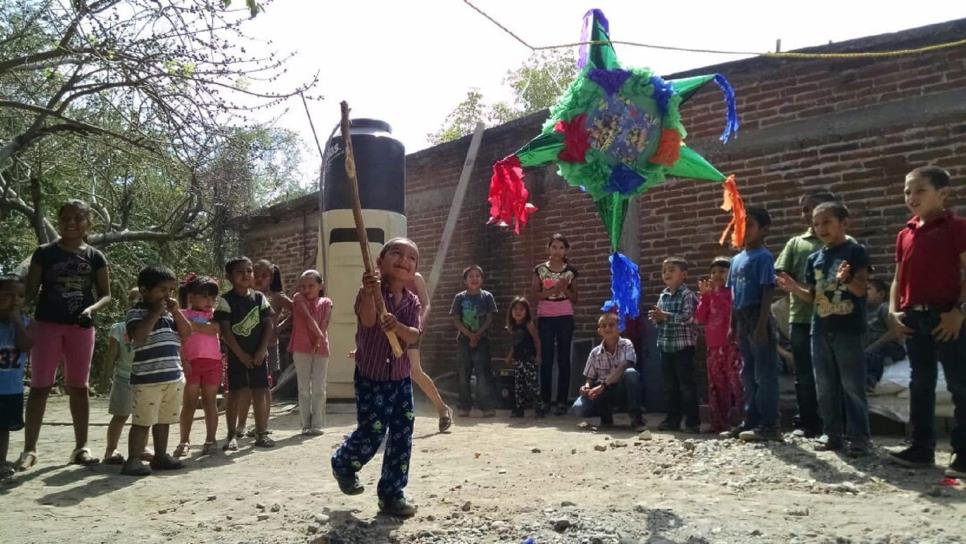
(201, 356)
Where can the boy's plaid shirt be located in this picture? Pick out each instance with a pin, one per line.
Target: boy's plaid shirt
(679, 330)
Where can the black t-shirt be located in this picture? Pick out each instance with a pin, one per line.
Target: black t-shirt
(67, 282)
(247, 315)
(836, 308)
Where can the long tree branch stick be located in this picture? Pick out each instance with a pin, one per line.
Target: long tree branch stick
(350, 171)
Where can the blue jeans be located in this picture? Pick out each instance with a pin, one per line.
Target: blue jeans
(875, 360)
(924, 350)
(759, 370)
(628, 389)
(805, 393)
(840, 375)
(557, 331)
(470, 360)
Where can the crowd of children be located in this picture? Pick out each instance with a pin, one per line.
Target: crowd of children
(844, 326)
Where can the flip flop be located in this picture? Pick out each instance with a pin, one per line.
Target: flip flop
(82, 457)
(114, 459)
(446, 421)
(26, 460)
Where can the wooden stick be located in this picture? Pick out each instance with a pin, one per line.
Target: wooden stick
(350, 172)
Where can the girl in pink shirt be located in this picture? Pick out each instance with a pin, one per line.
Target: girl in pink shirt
(309, 346)
(201, 358)
(724, 363)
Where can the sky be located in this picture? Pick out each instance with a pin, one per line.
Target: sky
(411, 62)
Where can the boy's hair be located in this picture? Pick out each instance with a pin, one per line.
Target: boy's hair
(233, 263)
(679, 262)
(938, 177)
(81, 206)
(557, 237)
(608, 316)
(197, 285)
(760, 215)
(879, 285)
(11, 280)
(397, 241)
(276, 285)
(466, 271)
(721, 262)
(837, 209)
(150, 276)
(509, 312)
(818, 195)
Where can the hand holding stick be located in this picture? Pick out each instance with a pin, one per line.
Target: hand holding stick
(350, 171)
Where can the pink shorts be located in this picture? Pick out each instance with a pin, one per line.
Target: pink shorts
(205, 372)
(54, 342)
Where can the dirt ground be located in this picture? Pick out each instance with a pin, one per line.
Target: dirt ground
(492, 480)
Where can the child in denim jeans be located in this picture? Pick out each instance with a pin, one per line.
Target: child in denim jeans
(836, 278)
(472, 314)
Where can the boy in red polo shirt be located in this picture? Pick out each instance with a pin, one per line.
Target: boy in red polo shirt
(928, 308)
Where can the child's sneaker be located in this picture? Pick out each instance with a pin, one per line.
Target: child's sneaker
(957, 467)
(827, 443)
(349, 485)
(733, 433)
(639, 424)
(761, 434)
(914, 457)
(859, 449)
(399, 508)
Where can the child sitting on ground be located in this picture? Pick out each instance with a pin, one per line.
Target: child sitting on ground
(881, 341)
(611, 377)
(120, 355)
(523, 357)
(384, 390)
(157, 328)
(202, 361)
(15, 343)
(724, 363)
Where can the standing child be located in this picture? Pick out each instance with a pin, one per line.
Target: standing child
(268, 280)
(15, 342)
(724, 363)
(201, 354)
(246, 321)
(70, 282)
(554, 287)
(752, 282)
(120, 356)
(881, 341)
(792, 261)
(677, 336)
(472, 314)
(157, 328)
(310, 349)
(928, 305)
(611, 377)
(419, 376)
(384, 390)
(523, 356)
(835, 282)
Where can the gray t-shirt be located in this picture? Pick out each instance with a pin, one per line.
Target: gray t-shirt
(473, 309)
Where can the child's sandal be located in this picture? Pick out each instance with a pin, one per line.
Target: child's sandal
(181, 450)
(231, 444)
(209, 448)
(26, 460)
(263, 441)
(446, 421)
(82, 456)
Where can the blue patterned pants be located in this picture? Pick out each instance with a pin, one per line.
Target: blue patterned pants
(380, 407)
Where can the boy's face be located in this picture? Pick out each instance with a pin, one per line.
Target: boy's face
(874, 297)
(399, 262)
(672, 274)
(719, 275)
(607, 327)
(474, 280)
(828, 228)
(309, 287)
(242, 276)
(922, 198)
(754, 233)
(159, 293)
(11, 298)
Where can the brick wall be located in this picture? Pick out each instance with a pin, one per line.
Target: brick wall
(855, 126)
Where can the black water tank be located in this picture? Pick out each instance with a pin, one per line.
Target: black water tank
(380, 167)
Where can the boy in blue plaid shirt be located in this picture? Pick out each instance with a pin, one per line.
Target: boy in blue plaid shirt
(676, 338)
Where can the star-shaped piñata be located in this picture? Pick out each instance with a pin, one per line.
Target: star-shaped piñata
(615, 133)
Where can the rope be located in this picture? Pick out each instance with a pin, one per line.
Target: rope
(774, 55)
